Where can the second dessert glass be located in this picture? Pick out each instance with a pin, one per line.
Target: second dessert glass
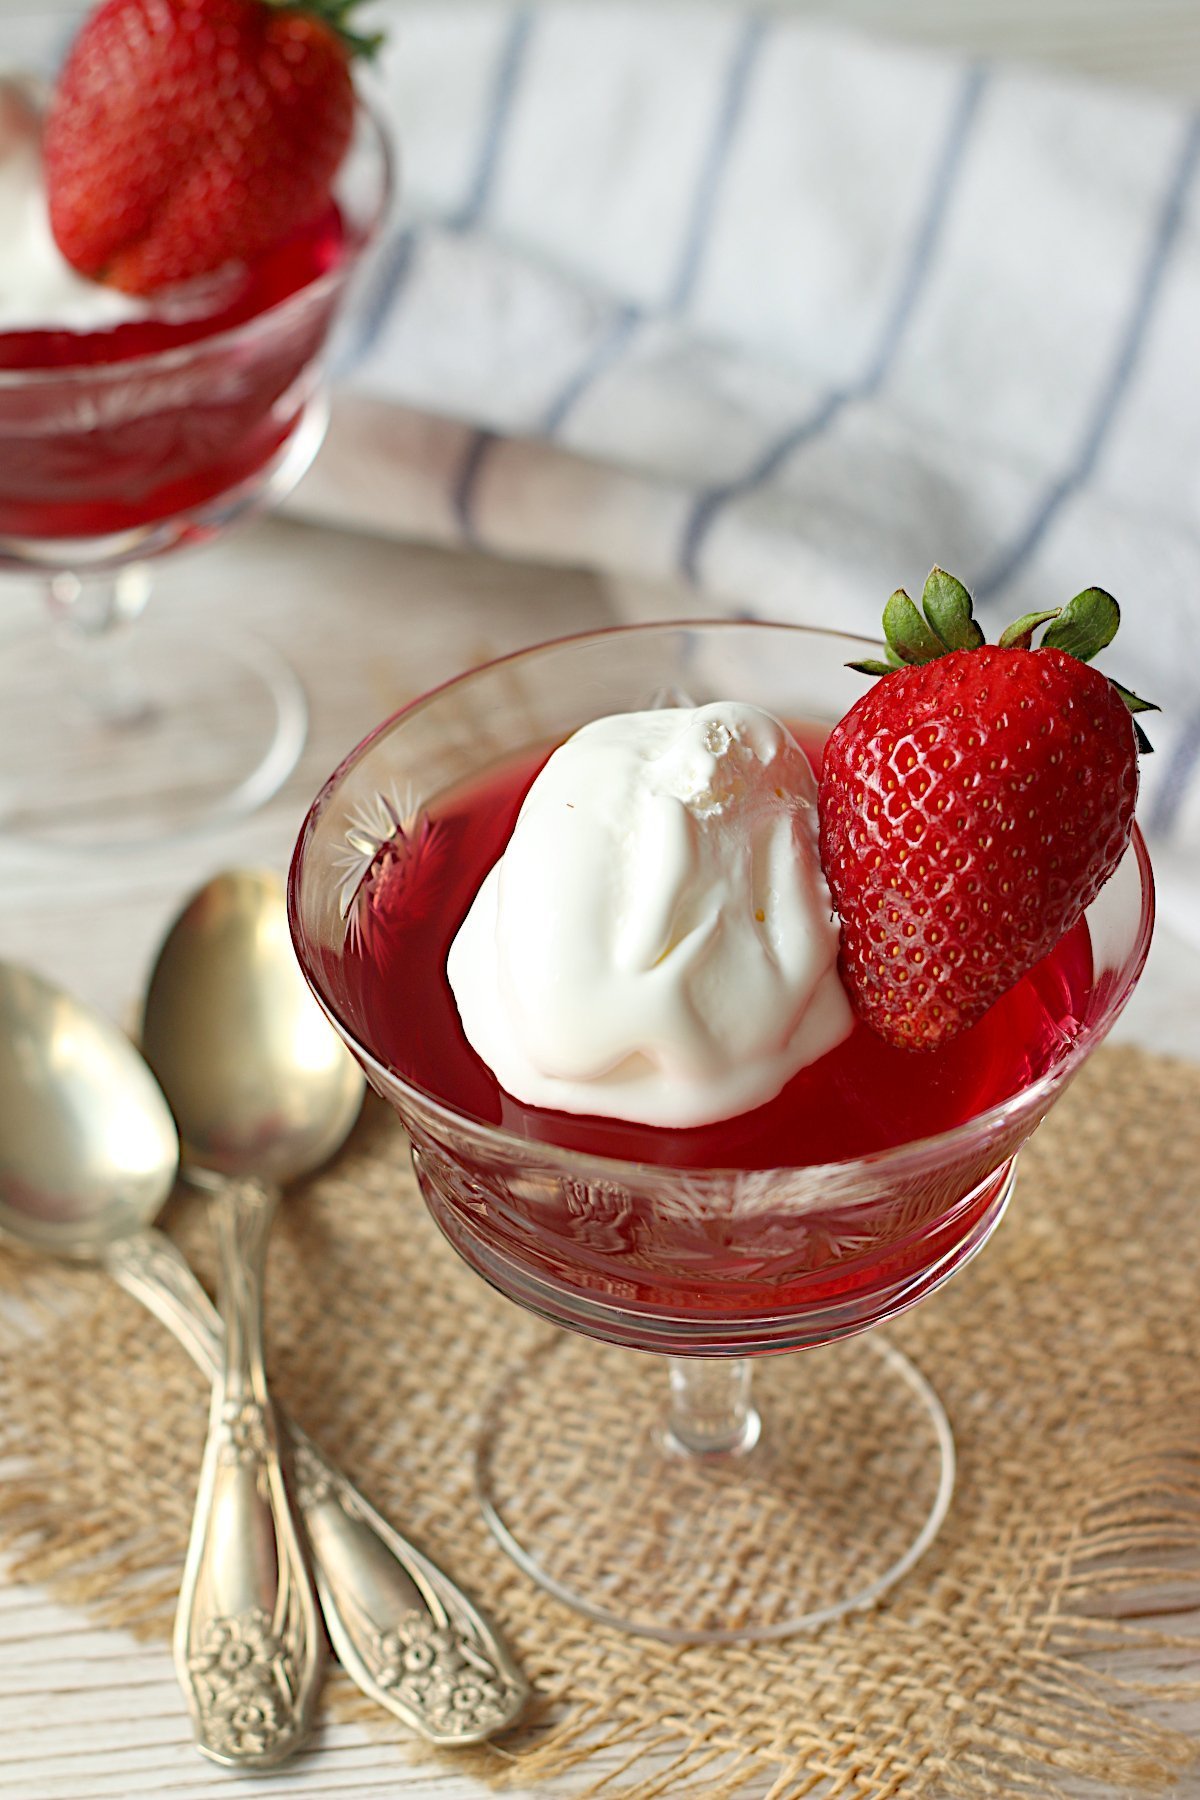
(114, 450)
(684, 1508)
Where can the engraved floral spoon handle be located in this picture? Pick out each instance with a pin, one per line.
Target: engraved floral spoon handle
(248, 1646)
(402, 1630)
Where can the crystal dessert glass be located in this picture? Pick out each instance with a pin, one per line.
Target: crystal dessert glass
(660, 1495)
(117, 446)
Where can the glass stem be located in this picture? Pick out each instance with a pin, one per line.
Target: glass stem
(711, 1410)
(92, 619)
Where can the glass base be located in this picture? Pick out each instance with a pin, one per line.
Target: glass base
(816, 1515)
(181, 734)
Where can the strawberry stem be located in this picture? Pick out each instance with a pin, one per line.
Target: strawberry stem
(336, 15)
(1081, 628)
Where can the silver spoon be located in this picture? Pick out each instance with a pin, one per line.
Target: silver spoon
(88, 1155)
(263, 1091)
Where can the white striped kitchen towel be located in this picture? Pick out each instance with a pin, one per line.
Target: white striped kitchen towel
(793, 314)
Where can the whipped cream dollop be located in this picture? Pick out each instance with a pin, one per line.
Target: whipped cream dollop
(39, 290)
(657, 942)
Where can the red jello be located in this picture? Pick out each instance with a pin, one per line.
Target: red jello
(108, 431)
(861, 1097)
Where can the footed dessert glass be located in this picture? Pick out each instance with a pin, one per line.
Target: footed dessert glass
(683, 1507)
(115, 447)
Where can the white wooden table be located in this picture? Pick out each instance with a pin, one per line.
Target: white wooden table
(86, 1712)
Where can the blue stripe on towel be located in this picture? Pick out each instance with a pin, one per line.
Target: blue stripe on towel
(467, 480)
(740, 67)
(1176, 779)
(1008, 565)
(509, 66)
(742, 63)
(914, 278)
(396, 262)
(601, 357)
(388, 280)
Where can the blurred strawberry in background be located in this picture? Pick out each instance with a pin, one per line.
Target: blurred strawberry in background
(187, 134)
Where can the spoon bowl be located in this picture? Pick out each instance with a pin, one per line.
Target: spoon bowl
(88, 1147)
(259, 1084)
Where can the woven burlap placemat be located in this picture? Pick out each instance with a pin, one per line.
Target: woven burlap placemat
(1015, 1658)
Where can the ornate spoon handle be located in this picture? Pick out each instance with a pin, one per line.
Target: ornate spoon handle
(248, 1647)
(402, 1630)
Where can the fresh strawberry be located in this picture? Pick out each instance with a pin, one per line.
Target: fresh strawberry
(972, 804)
(187, 134)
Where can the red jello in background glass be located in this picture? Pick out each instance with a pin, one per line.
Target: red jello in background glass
(119, 444)
(117, 430)
(860, 1189)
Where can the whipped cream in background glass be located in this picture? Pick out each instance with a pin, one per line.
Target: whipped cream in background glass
(39, 290)
(657, 942)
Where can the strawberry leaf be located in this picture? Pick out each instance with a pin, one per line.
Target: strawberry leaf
(336, 15)
(907, 633)
(1133, 701)
(947, 605)
(1136, 705)
(872, 666)
(1019, 635)
(1085, 625)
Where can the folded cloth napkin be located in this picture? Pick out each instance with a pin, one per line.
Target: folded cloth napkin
(791, 314)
